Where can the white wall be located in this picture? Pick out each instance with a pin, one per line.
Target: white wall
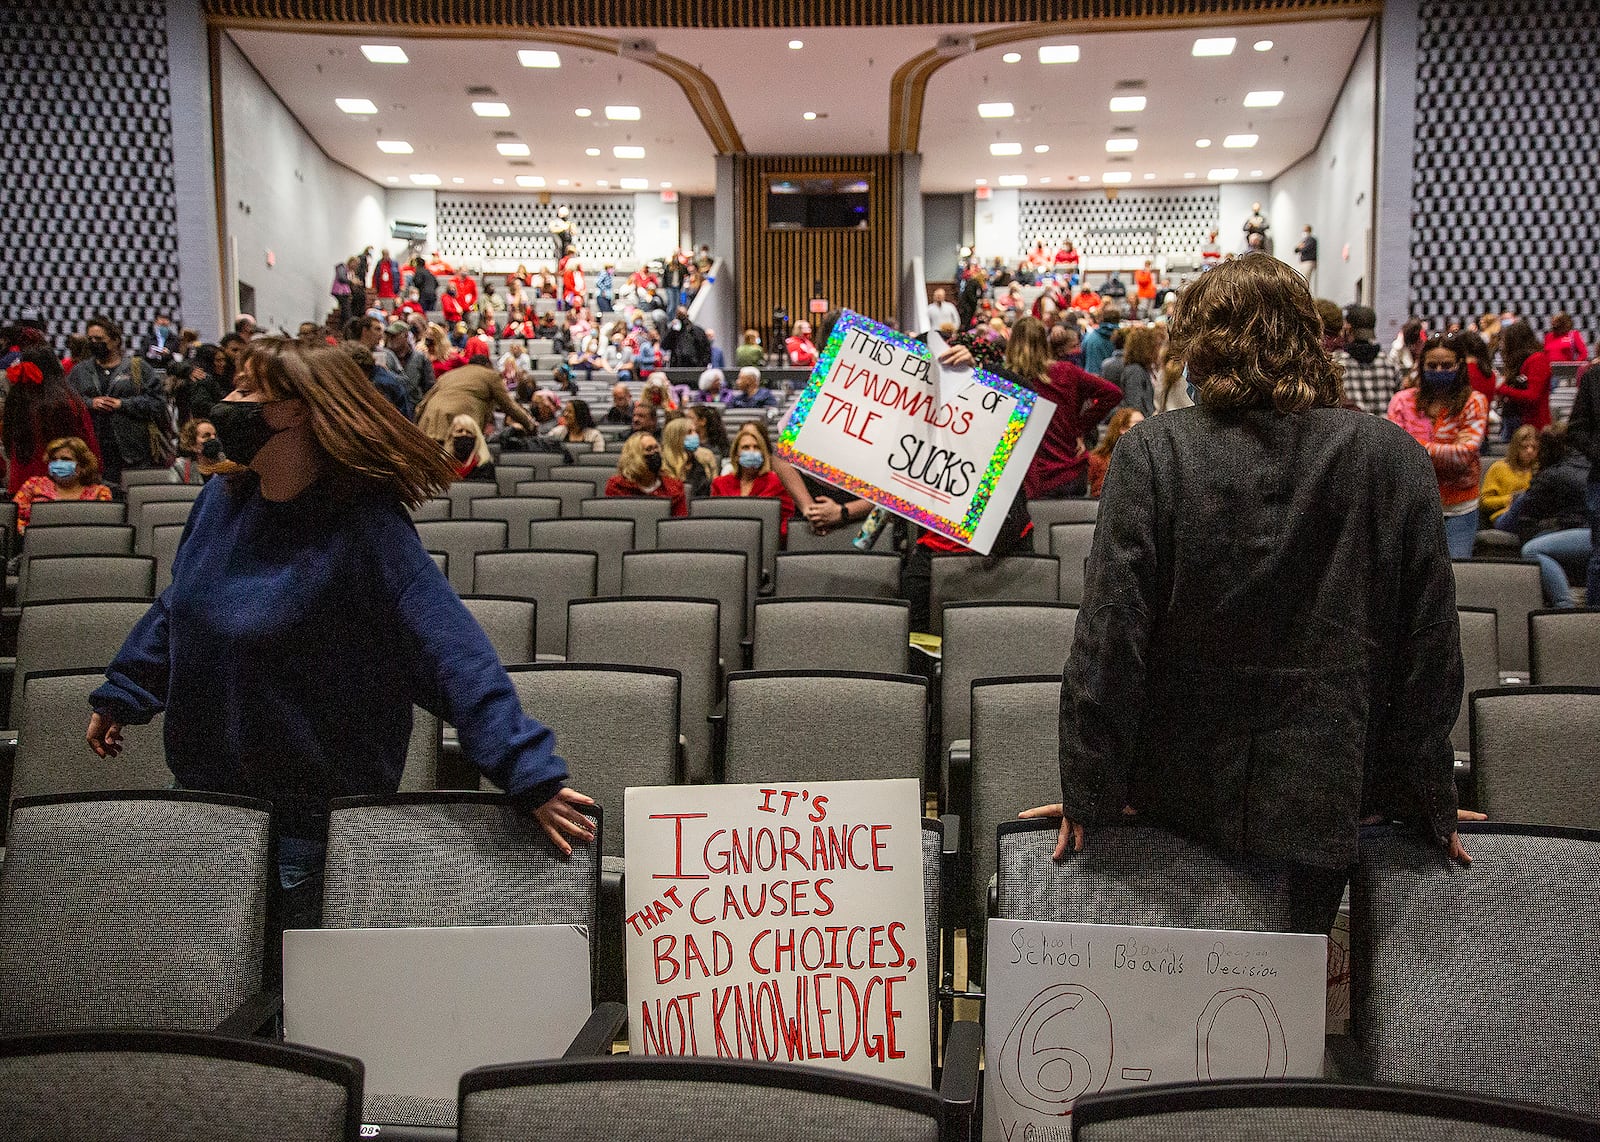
(284, 196)
(995, 225)
(1331, 188)
(655, 226)
(199, 260)
(1234, 200)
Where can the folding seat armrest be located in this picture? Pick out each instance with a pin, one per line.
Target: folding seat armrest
(747, 653)
(958, 1086)
(599, 1031)
(258, 1013)
(952, 834)
(718, 718)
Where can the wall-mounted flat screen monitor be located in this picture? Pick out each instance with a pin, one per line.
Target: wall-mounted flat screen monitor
(818, 202)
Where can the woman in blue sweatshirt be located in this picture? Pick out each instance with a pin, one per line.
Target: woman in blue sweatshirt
(305, 619)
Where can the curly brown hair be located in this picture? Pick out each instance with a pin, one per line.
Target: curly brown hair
(1251, 337)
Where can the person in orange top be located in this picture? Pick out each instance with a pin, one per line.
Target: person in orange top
(1449, 419)
(1086, 299)
(753, 475)
(74, 475)
(1100, 459)
(1144, 287)
(639, 474)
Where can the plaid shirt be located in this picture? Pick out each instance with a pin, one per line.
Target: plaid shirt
(1371, 386)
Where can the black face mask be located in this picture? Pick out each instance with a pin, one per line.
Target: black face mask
(463, 447)
(100, 350)
(212, 450)
(652, 461)
(241, 429)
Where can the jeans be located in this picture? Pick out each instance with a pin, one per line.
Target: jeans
(1548, 549)
(1459, 533)
(1593, 583)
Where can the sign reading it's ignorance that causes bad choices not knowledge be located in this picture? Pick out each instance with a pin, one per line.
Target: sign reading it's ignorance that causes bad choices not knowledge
(782, 923)
(945, 448)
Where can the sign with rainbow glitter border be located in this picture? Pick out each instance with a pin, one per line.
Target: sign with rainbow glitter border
(945, 448)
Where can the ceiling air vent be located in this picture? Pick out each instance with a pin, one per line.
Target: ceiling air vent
(505, 135)
(1129, 85)
(478, 91)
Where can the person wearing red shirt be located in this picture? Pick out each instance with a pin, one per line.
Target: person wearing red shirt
(466, 290)
(385, 279)
(1526, 388)
(639, 474)
(40, 407)
(450, 306)
(411, 305)
(1144, 287)
(798, 348)
(753, 475)
(1563, 342)
(1082, 400)
(571, 271)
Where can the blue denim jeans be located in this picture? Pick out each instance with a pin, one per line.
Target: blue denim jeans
(1459, 533)
(1572, 543)
(1593, 583)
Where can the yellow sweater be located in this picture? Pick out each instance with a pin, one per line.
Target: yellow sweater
(1500, 483)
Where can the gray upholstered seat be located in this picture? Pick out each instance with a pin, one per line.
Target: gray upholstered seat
(422, 752)
(71, 635)
(1536, 754)
(1564, 646)
(1480, 662)
(718, 535)
(511, 623)
(114, 1086)
(141, 495)
(132, 477)
(607, 538)
(804, 540)
(463, 492)
(1047, 513)
(768, 510)
(1511, 587)
(517, 512)
(132, 909)
(155, 515)
(832, 633)
(644, 511)
(55, 578)
(71, 539)
(164, 542)
(430, 510)
(52, 756)
(462, 540)
(552, 578)
(1015, 578)
(851, 574)
(1070, 543)
(719, 575)
(1480, 979)
(56, 513)
(571, 493)
(997, 640)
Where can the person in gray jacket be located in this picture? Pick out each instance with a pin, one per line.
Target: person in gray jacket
(125, 400)
(1267, 655)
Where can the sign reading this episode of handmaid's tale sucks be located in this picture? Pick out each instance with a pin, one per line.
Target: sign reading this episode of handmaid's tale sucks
(781, 923)
(946, 448)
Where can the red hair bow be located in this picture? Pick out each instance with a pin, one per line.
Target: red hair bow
(25, 373)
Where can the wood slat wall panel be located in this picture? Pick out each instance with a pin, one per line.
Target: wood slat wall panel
(779, 269)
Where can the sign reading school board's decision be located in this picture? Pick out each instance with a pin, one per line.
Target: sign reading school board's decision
(945, 448)
(779, 922)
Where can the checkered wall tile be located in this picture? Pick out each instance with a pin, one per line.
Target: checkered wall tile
(1506, 184)
(1137, 224)
(517, 227)
(88, 208)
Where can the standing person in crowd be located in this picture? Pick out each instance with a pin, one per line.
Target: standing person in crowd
(1082, 401)
(1509, 475)
(202, 383)
(1268, 582)
(1407, 348)
(640, 472)
(305, 621)
(1563, 342)
(1332, 324)
(576, 428)
(1139, 354)
(1583, 434)
(605, 288)
(1369, 378)
(750, 351)
(193, 464)
(426, 285)
(340, 289)
(1144, 289)
(475, 390)
(73, 473)
(469, 451)
(1480, 364)
(1064, 344)
(942, 316)
(125, 401)
(386, 280)
(1100, 459)
(685, 459)
(382, 379)
(162, 344)
(718, 360)
(1306, 251)
(686, 343)
(415, 373)
(1172, 391)
(40, 407)
(1525, 389)
(1444, 415)
(1551, 517)
(750, 392)
(798, 349)
(753, 474)
(1097, 345)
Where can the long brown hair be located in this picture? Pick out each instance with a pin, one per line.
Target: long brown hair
(1120, 422)
(1251, 337)
(1028, 350)
(355, 426)
(1142, 347)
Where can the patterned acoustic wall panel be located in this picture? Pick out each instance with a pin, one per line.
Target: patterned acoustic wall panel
(88, 208)
(516, 227)
(1136, 224)
(1506, 185)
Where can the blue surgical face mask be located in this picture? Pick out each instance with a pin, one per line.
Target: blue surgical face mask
(691, 442)
(1188, 384)
(63, 469)
(1437, 381)
(750, 458)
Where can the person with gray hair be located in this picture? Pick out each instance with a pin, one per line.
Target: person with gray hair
(711, 384)
(751, 393)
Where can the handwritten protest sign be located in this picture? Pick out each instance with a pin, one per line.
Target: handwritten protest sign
(779, 923)
(1079, 1008)
(945, 448)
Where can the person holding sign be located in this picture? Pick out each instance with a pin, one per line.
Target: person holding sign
(1267, 654)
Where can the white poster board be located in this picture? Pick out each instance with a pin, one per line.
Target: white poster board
(779, 923)
(945, 448)
(1072, 1009)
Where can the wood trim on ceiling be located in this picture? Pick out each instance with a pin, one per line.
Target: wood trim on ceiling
(909, 88)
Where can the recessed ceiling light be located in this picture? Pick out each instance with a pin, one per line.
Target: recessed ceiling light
(1083, 178)
(1221, 174)
(980, 182)
(393, 178)
(1058, 53)
(1121, 146)
(796, 45)
(635, 184)
(999, 149)
(498, 181)
(1202, 143)
(602, 182)
(529, 57)
(1262, 45)
(666, 186)
(491, 110)
(1013, 180)
(1117, 176)
(622, 112)
(1042, 149)
(356, 106)
(1045, 179)
(563, 182)
(1122, 104)
(394, 146)
(1263, 99)
(1219, 46)
(458, 181)
(1188, 174)
(1149, 174)
(627, 152)
(518, 149)
(1011, 57)
(1240, 142)
(996, 110)
(426, 179)
(1256, 174)
(535, 180)
(582, 112)
(592, 152)
(809, 115)
(384, 53)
